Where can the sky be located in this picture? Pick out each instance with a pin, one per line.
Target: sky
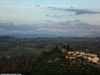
(59, 17)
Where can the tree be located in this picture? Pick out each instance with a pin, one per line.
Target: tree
(44, 53)
(67, 47)
(55, 50)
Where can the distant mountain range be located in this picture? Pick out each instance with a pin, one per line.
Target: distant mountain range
(32, 35)
(44, 35)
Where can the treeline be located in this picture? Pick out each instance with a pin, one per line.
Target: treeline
(5, 37)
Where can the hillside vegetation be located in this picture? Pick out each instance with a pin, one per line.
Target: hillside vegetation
(52, 62)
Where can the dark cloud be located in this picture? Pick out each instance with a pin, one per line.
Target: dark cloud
(77, 11)
(82, 11)
(37, 6)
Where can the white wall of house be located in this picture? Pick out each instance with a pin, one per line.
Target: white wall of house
(63, 50)
(95, 59)
(82, 53)
(70, 57)
(70, 52)
(90, 59)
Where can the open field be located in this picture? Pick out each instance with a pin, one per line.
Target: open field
(22, 45)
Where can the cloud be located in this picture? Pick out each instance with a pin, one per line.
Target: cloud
(2, 29)
(82, 11)
(9, 23)
(67, 28)
(12, 26)
(71, 6)
(75, 21)
(64, 24)
(37, 6)
(49, 21)
(56, 16)
(70, 15)
(55, 8)
(47, 15)
(30, 5)
(77, 11)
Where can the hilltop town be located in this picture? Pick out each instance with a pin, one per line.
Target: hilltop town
(86, 55)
